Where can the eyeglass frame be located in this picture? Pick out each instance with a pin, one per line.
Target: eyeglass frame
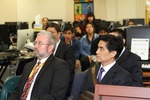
(39, 43)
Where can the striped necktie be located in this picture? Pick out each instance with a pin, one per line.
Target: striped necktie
(29, 81)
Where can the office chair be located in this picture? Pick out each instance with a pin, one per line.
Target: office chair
(76, 87)
(9, 86)
(3, 66)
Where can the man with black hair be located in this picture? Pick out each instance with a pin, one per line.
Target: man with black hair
(63, 51)
(128, 60)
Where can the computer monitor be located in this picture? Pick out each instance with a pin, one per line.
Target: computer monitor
(57, 21)
(136, 21)
(14, 26)
(23, 36)
(4, 37)
(137, 32)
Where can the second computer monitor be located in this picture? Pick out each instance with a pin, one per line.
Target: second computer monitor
(23, 36)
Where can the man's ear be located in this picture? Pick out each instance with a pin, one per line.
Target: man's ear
(51, 48)
(113, 53)
(124, 41)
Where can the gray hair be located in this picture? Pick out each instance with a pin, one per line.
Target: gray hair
(50, 37)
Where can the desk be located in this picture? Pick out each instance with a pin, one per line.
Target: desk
(21, 62)
(146, 74)
(5, 58)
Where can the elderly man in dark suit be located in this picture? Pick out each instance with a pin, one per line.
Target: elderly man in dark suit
(63, 51)
(109, 48)
(47, 80)
(129, 61)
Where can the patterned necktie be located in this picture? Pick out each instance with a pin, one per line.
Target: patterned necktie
(29, 81)
(100, 74)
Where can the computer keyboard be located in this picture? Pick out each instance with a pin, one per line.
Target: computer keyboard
(146, 66)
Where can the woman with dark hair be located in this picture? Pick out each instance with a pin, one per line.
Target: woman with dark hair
(90, 18)
(44, 23)
(86, 41)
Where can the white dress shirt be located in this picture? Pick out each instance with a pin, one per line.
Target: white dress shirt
(106, 69)
(30, 90)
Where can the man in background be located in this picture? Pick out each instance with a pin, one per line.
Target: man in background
(63, 51)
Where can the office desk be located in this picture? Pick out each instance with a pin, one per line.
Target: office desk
(22, 61)
(146, 74)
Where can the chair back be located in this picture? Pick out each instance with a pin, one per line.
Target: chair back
(77, 83)
(9, 86)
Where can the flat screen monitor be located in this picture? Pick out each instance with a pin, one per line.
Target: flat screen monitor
(23, 36)
(136, 21)
(137, 32)
(57, 21)
(4, 37)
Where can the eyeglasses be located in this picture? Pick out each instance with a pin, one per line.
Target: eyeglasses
(39, 43)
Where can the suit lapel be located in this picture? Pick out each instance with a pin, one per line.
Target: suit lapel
(123, 57)
(59, 48)
(112, 71)
(44, 67)
(29, 69)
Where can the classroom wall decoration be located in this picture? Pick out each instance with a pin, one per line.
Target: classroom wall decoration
(81, 9)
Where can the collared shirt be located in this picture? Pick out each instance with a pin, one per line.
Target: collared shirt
(30, 91)
(122, 51)
(57, 44)
(106, 69)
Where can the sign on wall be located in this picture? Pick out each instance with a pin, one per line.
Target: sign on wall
(81, 9)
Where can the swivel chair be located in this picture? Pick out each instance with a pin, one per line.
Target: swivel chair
(9, 86)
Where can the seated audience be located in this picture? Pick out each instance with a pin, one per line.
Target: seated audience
(47, 80)
(78, 31)
(129, 61)
(101, 31)
(86, 42)
(130, 23)
(69, 38)
(106, 70)
(63, 51)
(44, 23)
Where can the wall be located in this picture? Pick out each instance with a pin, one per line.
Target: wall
(8, 10)
(111, 10)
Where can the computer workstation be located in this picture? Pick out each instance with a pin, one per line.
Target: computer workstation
(138, 38)
(139, 34)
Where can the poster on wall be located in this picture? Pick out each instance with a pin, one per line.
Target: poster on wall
(83, 0)
(81, 9)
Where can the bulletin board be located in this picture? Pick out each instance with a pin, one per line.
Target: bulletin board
(81, 9)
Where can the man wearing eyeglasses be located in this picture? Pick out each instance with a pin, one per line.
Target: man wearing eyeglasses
(45, 78)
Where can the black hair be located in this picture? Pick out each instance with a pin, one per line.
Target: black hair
(67, 28)
(100, 28)
(54, 25)
(92, 25)
(121, 33)
(113, 44)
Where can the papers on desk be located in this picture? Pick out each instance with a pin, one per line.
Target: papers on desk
(140, 46)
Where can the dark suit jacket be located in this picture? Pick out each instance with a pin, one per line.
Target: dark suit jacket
(132, 63)
(66, 52)
(115, 76)
(50, 84)
(76, 46)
